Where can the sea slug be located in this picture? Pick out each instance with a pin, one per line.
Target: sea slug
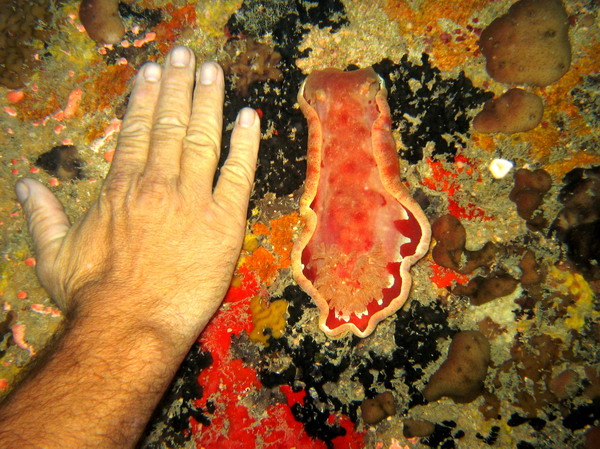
(363, 231)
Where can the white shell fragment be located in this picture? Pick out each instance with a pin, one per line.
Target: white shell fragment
(499, 168)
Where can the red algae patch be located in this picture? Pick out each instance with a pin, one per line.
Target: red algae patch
(168, 31)
(102, 91)
(363, 231)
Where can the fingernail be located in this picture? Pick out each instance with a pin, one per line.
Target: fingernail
(152, 72)
(246, 117)
(208, 73)
(22, 191)
(180, 57)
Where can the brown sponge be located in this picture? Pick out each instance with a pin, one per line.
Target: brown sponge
(529, 45)
(592, 438)
(101, 20)
(461, 375)
(449, 250)
(417, 428)
(578, 223)
(515, 111)
(377, 409)
(528, 194)
(483, 290)
(531, 272)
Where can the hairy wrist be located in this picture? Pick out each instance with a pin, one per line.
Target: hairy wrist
(100, 370)
(176, 317)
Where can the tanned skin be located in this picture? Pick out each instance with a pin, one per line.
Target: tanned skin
(141, 274)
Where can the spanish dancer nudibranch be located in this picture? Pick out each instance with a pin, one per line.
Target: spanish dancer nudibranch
(363, 231)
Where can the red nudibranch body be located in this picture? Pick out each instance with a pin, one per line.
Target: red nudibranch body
(363, 231)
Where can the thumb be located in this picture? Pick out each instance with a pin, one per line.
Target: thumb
(46, 219)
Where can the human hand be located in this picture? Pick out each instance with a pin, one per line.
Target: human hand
(159, 246)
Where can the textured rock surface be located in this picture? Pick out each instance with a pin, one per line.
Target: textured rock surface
(303, 389)
(21, 24)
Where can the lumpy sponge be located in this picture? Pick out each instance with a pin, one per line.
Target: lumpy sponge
(528, 193)
(377, 409)
(267, 315)
(514, 112)
(529, 45)
(101, 20)
(461, 375)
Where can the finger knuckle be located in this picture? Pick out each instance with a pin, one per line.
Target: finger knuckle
(204, 145)
(171, 121)
(237, 174)
(203, 138)
(37, 217)
(136, 128)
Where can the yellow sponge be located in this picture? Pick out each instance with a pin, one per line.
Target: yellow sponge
(267, 315)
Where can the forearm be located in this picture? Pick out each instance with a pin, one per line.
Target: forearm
(97, 389)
